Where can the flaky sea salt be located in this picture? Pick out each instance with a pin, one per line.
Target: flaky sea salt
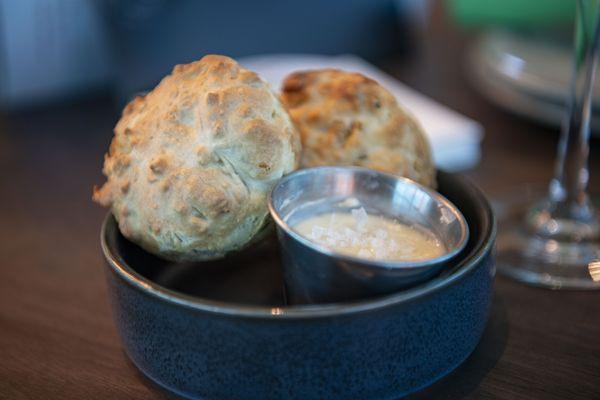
(381, 234)
(361, 217)
(364, 253)
(317, 232)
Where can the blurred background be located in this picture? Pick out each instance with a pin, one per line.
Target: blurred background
(57, 50)
(515, 54)
(63, 49)
(487, 79)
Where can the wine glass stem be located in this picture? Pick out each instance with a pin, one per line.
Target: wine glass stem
(567, 199)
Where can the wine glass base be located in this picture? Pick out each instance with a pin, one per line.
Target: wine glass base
(539, 261)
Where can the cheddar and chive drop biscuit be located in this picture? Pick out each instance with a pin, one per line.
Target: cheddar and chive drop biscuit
(192, 162)
(346, 118)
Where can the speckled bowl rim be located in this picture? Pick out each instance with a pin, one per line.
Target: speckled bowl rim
(469, 264)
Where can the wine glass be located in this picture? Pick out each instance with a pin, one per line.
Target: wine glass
(555, 242)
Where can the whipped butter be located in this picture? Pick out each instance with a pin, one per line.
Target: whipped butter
(374, 237)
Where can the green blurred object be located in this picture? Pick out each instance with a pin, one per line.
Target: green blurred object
(584, 30)
(513, 13)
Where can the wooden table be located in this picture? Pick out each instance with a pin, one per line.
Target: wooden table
(57, 338)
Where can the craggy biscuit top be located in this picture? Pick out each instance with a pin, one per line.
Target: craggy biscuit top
(192, 162)
(348, 119)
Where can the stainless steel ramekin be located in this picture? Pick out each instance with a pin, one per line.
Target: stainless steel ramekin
(314, 273)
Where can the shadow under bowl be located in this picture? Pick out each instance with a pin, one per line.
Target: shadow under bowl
(219, 330)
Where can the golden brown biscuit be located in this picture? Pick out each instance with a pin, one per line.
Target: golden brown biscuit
(192, 162)
(345, 118)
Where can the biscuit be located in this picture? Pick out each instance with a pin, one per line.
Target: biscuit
(346, 118)
(192, 162)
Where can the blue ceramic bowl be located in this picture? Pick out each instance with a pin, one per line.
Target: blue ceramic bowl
(220, 331)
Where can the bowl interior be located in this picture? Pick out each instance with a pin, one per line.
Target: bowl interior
(253, 276)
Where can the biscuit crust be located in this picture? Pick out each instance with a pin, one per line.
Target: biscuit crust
(345, 118)
(192, 162)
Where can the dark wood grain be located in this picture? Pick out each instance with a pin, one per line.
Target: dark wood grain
(57, 338)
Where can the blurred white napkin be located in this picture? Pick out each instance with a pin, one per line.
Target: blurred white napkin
(455, 139)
